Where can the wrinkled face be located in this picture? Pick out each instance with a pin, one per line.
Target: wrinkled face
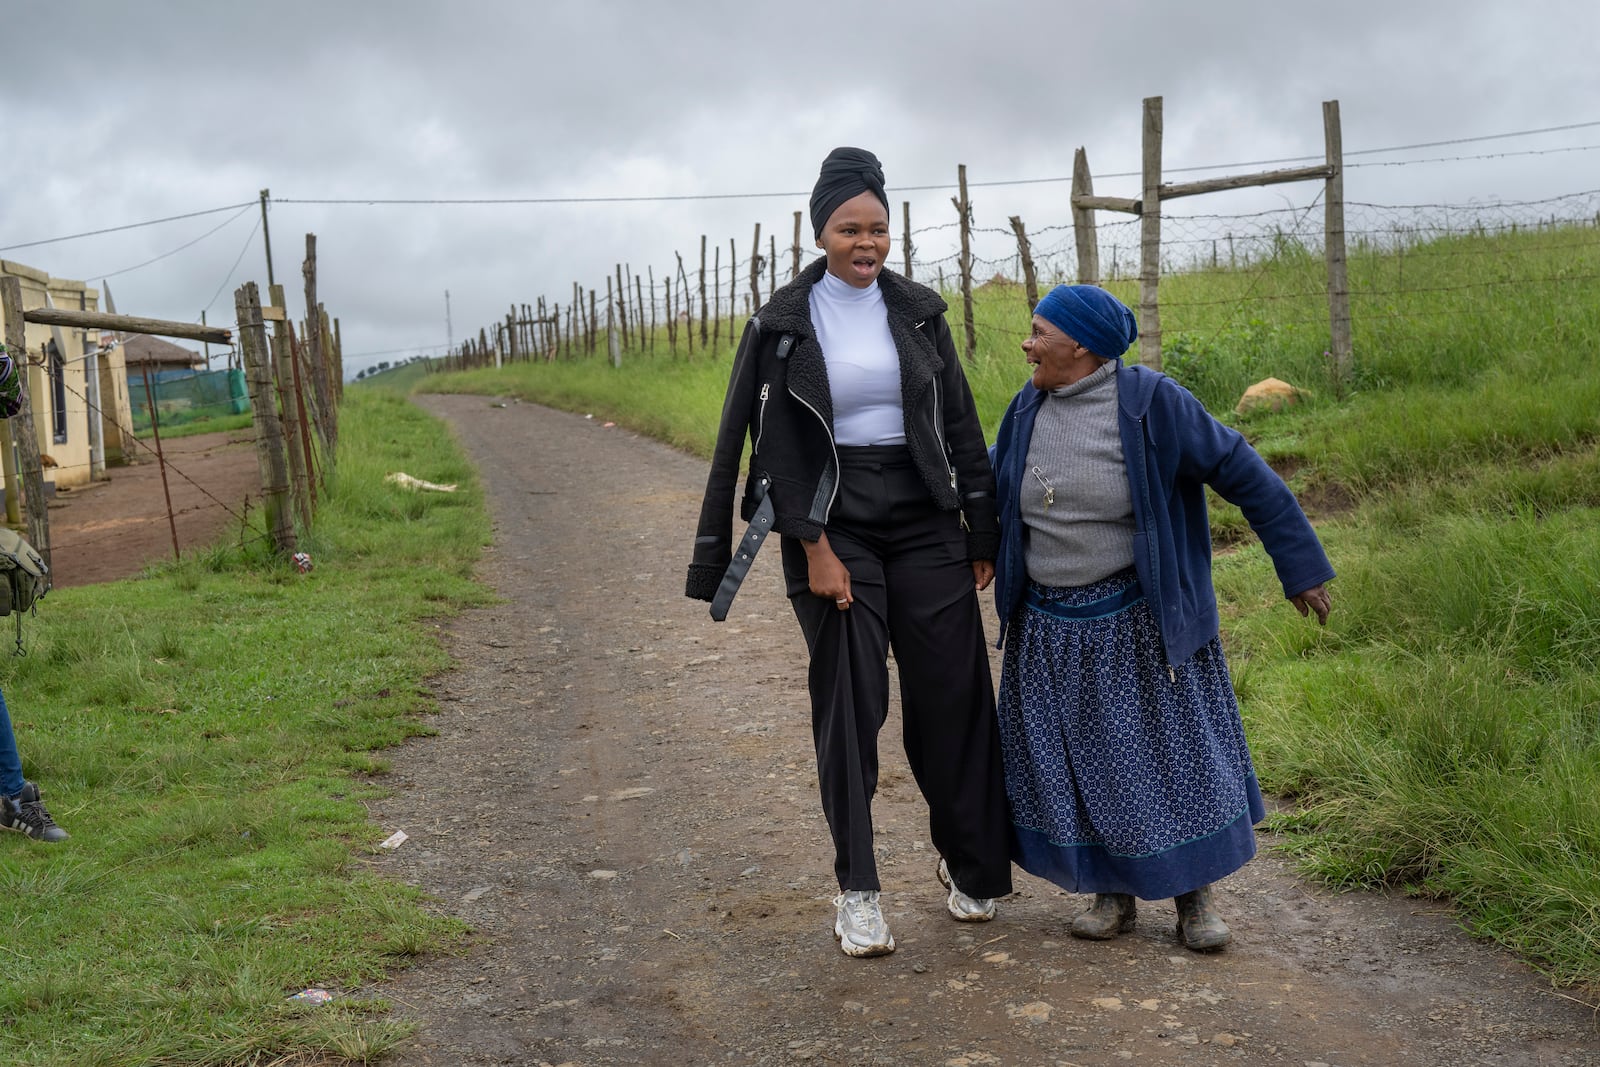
(1056, 359)
(856, 240)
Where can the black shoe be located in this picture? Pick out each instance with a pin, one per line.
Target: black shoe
(25, 814)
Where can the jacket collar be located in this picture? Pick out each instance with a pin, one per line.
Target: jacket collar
(908, 306)
(789, 310)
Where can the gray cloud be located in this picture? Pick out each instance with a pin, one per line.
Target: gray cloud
(115, 113)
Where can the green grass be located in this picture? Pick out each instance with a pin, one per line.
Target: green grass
(210, 734)
(1442, 735)
(196, 425)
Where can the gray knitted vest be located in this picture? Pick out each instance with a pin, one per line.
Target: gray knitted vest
(1086, 533)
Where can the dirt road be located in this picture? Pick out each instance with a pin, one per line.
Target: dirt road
(116, 527)
(621, 801)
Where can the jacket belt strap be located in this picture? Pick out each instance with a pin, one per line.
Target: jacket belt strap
(744, 555)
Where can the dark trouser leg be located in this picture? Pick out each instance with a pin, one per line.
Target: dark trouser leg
(10, 762)
(947, 699)
(849, 683)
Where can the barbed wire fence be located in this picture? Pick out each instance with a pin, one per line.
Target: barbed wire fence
(696, 306)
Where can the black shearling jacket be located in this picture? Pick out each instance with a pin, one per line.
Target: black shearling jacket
(785, 406)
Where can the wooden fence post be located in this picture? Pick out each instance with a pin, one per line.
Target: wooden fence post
(772, 263)
(964, 209)
(1150, 239)
(703, 308)
(688, 303)
(288, 392)
(305, 404)
(314, 352)
(593, 321)
(794, 267)
(1333, 240)
(638, 314)
(30, 473)
(1029, 281)
(1084, 235)
(905, 243)
(619, 305)
(161, 459)
(651, 272)
(612, 348)
(264, 411)
(575, 319)
(755, 270)
(733, 283)
(716, 294)
(335, 364)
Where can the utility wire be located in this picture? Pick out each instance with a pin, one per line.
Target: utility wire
(175, 251)
(239, 259)
(129, 226)
(680, 197)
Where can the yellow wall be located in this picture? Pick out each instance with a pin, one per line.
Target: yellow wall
(71, 457)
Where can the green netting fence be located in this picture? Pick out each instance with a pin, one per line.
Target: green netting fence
(187, 396)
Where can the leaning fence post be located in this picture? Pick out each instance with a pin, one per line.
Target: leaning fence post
(161, 460)
(1029, 281)
(264, 412)
(794, 266)
(755, 270)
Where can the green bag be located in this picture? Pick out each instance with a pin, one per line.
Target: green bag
(24, 578)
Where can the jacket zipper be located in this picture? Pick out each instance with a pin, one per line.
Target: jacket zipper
(761, 418)
(828, 431)
(938, 435)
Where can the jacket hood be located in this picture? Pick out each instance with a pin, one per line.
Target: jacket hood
(1136, 389)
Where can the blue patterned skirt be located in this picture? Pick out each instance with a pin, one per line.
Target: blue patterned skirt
(1122, 777)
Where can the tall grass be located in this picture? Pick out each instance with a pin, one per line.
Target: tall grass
(1442, 734)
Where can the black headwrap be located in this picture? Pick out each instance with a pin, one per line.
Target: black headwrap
(846, 173)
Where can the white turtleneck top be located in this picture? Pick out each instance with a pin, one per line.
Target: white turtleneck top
(863, 366)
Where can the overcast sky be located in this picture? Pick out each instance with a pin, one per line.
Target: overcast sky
(114, 113)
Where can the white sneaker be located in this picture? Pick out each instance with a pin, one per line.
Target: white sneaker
(860, 926)
(962, 908)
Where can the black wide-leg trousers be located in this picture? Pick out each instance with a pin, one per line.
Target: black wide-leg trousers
(913, 592)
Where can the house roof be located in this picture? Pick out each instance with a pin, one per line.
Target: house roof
(143, 349)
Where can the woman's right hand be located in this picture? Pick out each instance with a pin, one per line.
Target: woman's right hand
(827, 574)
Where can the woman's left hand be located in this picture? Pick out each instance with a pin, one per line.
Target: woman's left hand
(983, 573)
(1314, 599)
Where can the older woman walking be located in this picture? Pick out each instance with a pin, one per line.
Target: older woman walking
(1126, 763)
(868, 459)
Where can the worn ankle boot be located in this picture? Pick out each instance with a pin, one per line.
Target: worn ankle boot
(1200, 928)
(1110, 914)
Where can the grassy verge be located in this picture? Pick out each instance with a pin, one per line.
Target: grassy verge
(1442, 735)
(209, 734)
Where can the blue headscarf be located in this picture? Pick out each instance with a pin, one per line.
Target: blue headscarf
(1090, 316)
